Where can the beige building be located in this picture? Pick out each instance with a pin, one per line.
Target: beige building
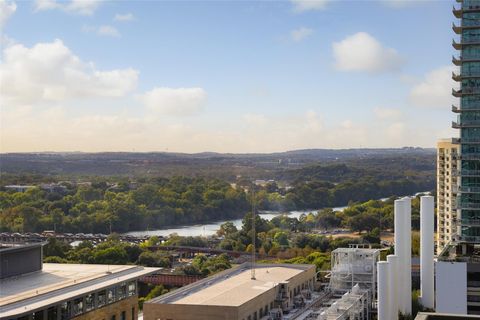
(57, 291)
(232, 294)
(447, 187)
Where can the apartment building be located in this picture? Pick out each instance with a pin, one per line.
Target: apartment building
(447, 188)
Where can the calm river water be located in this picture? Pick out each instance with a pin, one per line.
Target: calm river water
(211, 228)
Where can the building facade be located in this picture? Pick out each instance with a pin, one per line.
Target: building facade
(233, 294)
(468, 119)
(447, 188)
(56, 291)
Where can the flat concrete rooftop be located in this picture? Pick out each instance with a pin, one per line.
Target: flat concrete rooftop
(59, 282)
(233, 287)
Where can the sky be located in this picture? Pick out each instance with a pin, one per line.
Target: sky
(224, 76)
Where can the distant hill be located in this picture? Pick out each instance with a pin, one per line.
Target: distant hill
(281, 165)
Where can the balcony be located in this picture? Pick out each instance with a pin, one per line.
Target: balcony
(470, 157)
(469, 173)
(458, 13)
(466, 25)
(465, 91)
(461, 59)
(472, 239)
(466, 124)
(468, 206)
(459, 45)
(456, 109)
(469, 189)
(471, 140)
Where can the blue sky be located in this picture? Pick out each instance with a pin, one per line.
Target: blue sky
(225, 76)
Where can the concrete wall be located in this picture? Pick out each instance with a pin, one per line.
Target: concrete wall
(20, 260)
(114, 309)
(154, 311)
(451, 287)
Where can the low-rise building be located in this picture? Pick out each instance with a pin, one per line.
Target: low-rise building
(31, 290)
(233, 294)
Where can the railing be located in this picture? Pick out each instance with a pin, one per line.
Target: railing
(475, 239)
(469, 222)
(465, 123)
(466, 57)
(468, 173)
(470, 157)
(465, 24)
(469, 189)
(467, 140)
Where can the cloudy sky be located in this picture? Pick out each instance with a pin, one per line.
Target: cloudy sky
(226, 76)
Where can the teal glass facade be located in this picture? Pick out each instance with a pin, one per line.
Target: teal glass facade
(468, 119)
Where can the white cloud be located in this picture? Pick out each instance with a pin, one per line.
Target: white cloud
(435, 90)
(7, 8)
(308, 5)
(300, 34)
(51, 72)
(362, 52)
(124, 17)
(386, 113)
(175, 101)
(108, 31)
(82, 7)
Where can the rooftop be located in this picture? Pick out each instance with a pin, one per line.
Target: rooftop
(233, 287)
(59, 282)
(442, 316)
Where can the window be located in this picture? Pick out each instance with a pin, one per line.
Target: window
(123, 316)
(133, 313)
(113, 317)
(78, 306)
(102, 298)
(52, 313)
(110, 295)
(89, 302)
(65, 310)
(121, 292)
(132, 286)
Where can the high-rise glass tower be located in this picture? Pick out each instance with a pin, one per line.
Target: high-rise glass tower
(468, 110)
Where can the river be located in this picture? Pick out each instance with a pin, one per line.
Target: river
(211, 228)
(206, 230)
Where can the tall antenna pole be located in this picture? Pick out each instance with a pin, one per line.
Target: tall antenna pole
(253, 233)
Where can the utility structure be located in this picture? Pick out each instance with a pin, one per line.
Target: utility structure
(253, 234)
(468, 122)
(395, 274)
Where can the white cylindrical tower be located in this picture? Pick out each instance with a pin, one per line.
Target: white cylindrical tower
(393, 286)
(383, 291)
(407, 221)
(426, 251)
(400, 244)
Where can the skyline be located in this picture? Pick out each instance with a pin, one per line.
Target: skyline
(224, 77)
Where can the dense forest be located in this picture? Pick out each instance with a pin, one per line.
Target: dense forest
(144, 193)
(119, 205)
